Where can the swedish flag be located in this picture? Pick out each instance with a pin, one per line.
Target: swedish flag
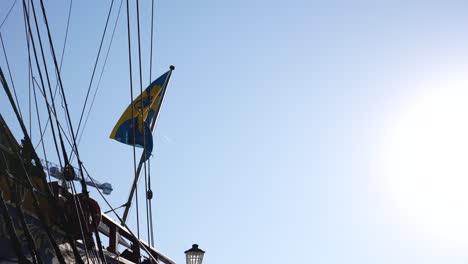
(133, 128)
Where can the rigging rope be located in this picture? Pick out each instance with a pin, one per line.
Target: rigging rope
(151, 42)
(28, 145)
(83, 182)
(28, 26)
(149, 191)
(76, 202)
(100, 76)
(34, 82)
(95, 66)
(63, 55)
(43, 91)
(9, 11)
(59, 125)
(40, 128)
(144, 131)
(64, 152)
(131, 99)
(137, 212)
(30, 74)
(11, 77)
(123, 205)
(61, 62)
(141, 118)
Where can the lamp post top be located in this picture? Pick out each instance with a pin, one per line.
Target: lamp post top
(194, 249)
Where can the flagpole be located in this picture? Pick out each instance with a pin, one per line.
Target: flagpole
(142, 159)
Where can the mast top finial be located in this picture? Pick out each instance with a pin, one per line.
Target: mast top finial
(172, 67)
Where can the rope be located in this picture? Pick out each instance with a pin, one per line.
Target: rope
(40, 128)
(98, 240)
(144, 131)
(63, 55)
(148, 229)
(37, 161)
(27, 21)
(141, 117)
(8, 14)
(30, 76)
(137, 212)
(151, 44)
(29, 83)
(60, 127)
(149, 162)
(150, 205)
(83, 182)
(131, 97)
(66, 38)
(123, 205)
(42, 134)
(11, 77)
(100, 76)
(64, 152)
(61, 61)
(94, 69)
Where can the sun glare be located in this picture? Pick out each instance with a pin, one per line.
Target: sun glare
(427, 163)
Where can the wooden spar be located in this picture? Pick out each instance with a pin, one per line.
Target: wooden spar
(142, 159)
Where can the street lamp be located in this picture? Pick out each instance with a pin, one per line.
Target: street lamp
(194, 255)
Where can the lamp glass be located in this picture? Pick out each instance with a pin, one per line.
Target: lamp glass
(194, 255)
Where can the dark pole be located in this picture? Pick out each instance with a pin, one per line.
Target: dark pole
(142, 159)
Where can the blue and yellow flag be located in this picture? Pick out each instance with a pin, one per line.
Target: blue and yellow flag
(134, 128)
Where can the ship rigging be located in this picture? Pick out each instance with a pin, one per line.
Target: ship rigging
(48, 221)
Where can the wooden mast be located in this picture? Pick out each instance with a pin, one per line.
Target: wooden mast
(142, 159)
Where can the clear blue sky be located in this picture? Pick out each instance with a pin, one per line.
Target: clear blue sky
(272, 142)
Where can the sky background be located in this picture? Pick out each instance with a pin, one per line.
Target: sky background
(281, 137)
